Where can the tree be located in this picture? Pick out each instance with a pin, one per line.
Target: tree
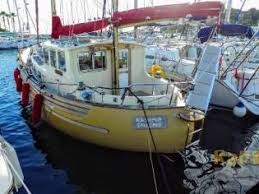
(12, 16)
(249, 17)
(3, 14)
(8, 21)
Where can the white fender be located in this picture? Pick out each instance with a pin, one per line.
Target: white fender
(240, 110)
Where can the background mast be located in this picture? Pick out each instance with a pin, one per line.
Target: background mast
(135, 27)
(18, 16)
(228, 12)
(37, 19)
(53, 8)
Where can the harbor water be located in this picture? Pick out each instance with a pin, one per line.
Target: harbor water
(54, 163)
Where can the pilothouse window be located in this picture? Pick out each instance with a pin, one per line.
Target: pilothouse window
(46, 56)
(150, 57)
(99, 60)
(53, 58)
(89, 61)
(61, 61)
(85, 61)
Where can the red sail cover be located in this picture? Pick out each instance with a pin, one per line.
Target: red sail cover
(69, 30)
(141, 16)
(150, 14)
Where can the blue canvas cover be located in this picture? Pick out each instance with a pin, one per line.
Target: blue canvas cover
(226, 30)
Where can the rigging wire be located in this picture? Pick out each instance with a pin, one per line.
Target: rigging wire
(18, 16)
(88, 9)
(84, 9)
(9, 11)
(61, 10)
(27, 16)
(240, 12)
(77, 13)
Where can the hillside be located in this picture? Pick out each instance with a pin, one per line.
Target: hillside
(250, 17)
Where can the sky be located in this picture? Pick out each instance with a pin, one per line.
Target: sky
(83, 10)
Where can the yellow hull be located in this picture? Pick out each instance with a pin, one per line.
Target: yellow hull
(113, 126)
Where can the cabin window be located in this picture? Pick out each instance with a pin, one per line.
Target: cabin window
(46, 56)
(150, 57)
(85, 61)
(38, 59)
(89, 61)
(164, 58)
(53, 58)
(99, 60)
(61, 61)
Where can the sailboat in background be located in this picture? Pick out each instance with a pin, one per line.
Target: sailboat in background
(76, 86)
(237, 86)
(23, 38)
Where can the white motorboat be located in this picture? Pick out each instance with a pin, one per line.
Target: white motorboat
(11, 176)
(239, 87)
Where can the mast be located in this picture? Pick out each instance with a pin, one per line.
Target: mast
(27, 16)
(37, 19)
(104, 11)
(228, 12)
(152, 3)
(53, 8)
(135, 27)
(12, 16)
(9, 14)
(18, 16)
(115, 51)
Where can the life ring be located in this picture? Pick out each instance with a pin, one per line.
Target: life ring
(157, 71)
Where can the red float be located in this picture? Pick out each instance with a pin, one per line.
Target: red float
(221, 61)
(19, 84)
(236, 73)
(25, 94)
(16, 74)
(36, 108)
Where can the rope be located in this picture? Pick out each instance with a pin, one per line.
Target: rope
(15, 172)
(141, 102)
(152, 166)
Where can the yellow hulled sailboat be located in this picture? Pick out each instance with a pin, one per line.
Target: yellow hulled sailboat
(87, 96)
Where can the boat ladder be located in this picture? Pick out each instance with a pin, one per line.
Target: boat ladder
(191, 134)
(207, 70)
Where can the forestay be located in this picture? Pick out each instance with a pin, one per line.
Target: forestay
(204, 79)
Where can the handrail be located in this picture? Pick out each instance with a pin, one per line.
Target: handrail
(249, 81)
(240, 53)
(137, 84)
(162, 84)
